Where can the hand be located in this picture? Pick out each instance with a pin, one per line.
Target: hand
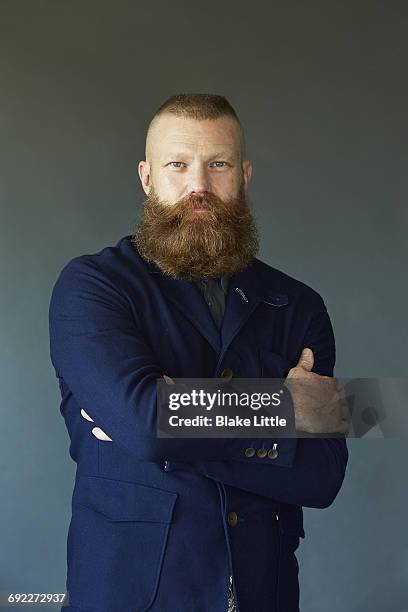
(97, 431)
(319, 402)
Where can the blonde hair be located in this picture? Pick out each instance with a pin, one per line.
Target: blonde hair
(197, 106)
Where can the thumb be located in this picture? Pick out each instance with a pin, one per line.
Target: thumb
(306, 360)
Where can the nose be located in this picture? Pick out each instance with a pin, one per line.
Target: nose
(199, 180)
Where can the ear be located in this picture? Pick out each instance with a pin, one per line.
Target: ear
(246, 172)
(144, 175)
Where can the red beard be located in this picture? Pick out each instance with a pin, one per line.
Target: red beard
(186, 244)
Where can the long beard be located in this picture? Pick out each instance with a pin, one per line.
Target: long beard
(190, 245)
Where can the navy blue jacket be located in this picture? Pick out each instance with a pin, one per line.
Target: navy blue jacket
(149, 527)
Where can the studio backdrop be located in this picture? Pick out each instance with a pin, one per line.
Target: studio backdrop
(321, 90)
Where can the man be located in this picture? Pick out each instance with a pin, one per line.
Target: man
(190, 525)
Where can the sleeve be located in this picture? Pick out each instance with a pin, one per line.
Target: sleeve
(315, 474)
(100, 351)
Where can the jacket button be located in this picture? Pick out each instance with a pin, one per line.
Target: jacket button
(262, 452)
(249, 452)
(273, 453)
(227, 373)
(232, 519)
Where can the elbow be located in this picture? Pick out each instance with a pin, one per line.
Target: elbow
(332, 481)
(328, 497)
(327, 492)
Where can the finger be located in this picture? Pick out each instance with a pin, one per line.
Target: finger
(344, 427)
(101, 435)
(306, 359)
(345, 409)
(339, 385)
(86, 416)
(168, 380)
(343, 402)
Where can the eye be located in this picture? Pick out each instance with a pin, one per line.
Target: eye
(220, 162)
(177, 164)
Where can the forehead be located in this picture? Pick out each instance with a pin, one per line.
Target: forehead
(171, 133)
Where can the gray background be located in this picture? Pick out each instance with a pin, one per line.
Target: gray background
(321, 89)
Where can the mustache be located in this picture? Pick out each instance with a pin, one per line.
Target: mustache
(181, 210)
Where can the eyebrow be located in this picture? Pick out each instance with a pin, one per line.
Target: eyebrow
(224, 154)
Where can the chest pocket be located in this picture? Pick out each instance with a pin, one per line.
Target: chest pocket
(116, 543)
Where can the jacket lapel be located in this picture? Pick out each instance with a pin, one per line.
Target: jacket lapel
(188, 299)
(245, 291)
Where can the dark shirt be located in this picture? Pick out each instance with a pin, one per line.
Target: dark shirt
(214, 291)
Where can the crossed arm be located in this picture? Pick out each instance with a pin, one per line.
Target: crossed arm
(99, 350)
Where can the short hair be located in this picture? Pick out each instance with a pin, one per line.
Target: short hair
(199, 106)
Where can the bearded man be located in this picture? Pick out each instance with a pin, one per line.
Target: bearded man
(190, 525)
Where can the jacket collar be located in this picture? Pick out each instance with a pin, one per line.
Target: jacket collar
(246, 290)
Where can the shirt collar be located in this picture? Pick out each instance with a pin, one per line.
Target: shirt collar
(155, 269)
(223, 281)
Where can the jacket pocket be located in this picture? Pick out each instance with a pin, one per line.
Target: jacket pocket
(116, 543)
